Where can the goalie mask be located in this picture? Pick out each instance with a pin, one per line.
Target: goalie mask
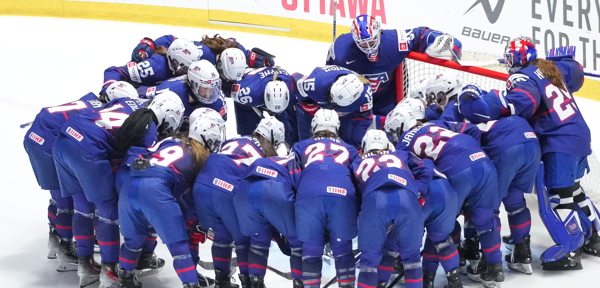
(181, 54)
(518, 52)
(204, 81)
(442, 87)
(366, 31)
(168, 109)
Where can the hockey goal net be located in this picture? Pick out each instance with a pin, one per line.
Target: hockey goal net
(485, 70)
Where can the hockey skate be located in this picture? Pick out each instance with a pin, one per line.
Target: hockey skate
(379, 285)
(67, 257)
(109, 276)
(53, 242)
(244, 280)
(520, 258)
(191, 285)
(298, 283)
(592, 245)
(428, 279)
(470, 249)
(453, 279)
(87, 270)
(128, 280)
(493, 275)
(508, 242)
(398, 270)
(148, 264)
(474, 272)
(223, 280)
(205, 282)
(571, 262)
(257, 281)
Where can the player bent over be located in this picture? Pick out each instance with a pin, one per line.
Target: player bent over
(541, 90)
(390, 217)
(267, 199)
(469, 171)
(38, 145)
(325, 200)
(217, 184)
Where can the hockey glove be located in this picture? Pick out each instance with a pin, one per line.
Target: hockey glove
(196, 231)
(441, 47)
(258, 61)
(143, 50)
(561, 53)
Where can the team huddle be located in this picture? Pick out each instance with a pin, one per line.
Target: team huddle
(324, 158)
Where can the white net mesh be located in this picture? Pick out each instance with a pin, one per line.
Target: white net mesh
(414, 71)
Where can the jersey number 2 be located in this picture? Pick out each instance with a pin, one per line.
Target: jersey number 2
(558, 97)
(315, 153)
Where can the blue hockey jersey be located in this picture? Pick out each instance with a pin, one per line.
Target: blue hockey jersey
(273, 168)
(393, 49)
(95, 131)
(179, 86)
(450, 152)
(47, 123)
(387, 169)
(551, 111)
(225, 170)
(496, 135)
(322, 167)
(250, 90)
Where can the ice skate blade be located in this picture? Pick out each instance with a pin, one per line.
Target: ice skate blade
(463, 270)
(520, 267)
(51, 256)
(66, 267)
(107, 285)
(553, 267)
(491, 284)
(474, 277)
(84, 282)
(146, 272)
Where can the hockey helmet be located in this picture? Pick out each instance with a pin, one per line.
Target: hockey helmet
(442, 87)
(204, 81)
(208, 114)
(399, 120)
(208, 133)
(518, 52)
(121, 89)
(182, 53)
(366, 31)
(325, 119)
(272, 129)
(277, 96)
(232, 64)
(374, 140)
(346, 89)
(168, 109)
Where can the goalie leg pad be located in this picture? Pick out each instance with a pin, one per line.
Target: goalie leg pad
(588, 213)
(558, 214)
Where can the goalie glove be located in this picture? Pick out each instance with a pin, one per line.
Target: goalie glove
(143, 50)
(196, 231)
(441, 47)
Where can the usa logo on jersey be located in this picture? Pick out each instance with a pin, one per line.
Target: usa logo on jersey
(376, 80)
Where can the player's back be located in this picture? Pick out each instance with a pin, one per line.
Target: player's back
(225, 170)
(273, 168)
(558, 122)
(323, 168)
(95, 130)
(450, 152)
(389, 169)
(151, 71)
(47, 123)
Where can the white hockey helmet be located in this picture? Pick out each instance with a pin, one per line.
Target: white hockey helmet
(277, 96)
(272, 129)
(232, 64)
(419, 90)
(415, 105)
(121, 89)
(168, 109)
(208, 133)
(346, 89)
(442, 87)
(208, 114)
(204, 82)
(182, 53)
(325, 119)
(374, 139)
(399, 120)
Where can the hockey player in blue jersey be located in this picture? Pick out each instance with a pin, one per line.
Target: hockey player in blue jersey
(163, 173)
(339, 89)
(217, 184)
(514, 148)
(541, 90)
(390, 218)
(470, 172)
(83, 154)
(38, 145)
(325, 199)
(265, 89)
(266, 199)
(200, 88)
(385, 50)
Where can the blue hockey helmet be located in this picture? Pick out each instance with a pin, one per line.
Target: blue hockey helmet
(366, 31)
(471, 92)
(518, 52)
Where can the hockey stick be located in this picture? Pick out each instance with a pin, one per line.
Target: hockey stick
(23, 126)
(334, 17)
(395, 281)
(335, 279)
(286, 275)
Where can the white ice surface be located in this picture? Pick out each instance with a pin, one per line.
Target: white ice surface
(50, 61)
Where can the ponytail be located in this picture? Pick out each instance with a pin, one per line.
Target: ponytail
(161, 50)
(133, 130)
(266, 145)
(550, 71)
(198, 154)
